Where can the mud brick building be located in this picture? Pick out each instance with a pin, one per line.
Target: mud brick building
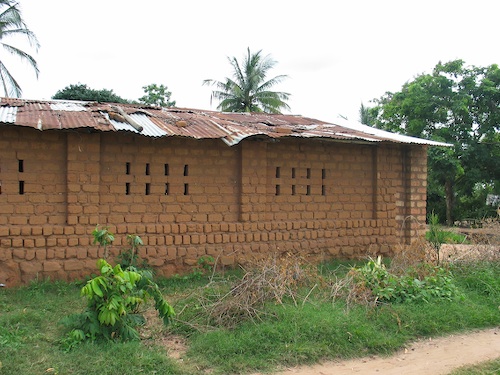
(194, 183)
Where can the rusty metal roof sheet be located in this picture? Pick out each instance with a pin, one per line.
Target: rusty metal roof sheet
(151, 121)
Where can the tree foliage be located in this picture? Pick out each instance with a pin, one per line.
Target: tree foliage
(460, 105)
(157, 95)
(365, 115)
(85, 93)
(248, 90)
(12, 26)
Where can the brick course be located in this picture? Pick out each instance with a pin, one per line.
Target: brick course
(188, 198)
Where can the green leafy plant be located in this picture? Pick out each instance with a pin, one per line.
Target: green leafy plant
(129, 258)
(113, 301)
(103, 237)
(409, 287)
(436, 235)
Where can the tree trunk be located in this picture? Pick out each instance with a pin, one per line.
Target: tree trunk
(450, 201)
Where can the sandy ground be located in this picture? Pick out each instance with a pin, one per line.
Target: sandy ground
(426, 357)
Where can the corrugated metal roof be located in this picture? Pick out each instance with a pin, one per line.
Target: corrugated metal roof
(199, 124)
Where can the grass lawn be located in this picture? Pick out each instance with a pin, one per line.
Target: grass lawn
(312, 328)
(486, 368)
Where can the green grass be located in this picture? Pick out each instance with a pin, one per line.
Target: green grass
(30, 335)
(485, 368)
(286, 335)
(450, 237)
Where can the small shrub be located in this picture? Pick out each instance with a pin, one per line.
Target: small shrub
(436, 236)
(375, 280)
(104, 238)
(129, 258)
(114, 297)
(113, 301)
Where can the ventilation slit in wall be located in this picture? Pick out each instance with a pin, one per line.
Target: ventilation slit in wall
(167, 186)
(278, 172)
(186, 189)
(323, 177)
(21, 187)
(127, 188)
(148, 188)
(147, 169)
(308, 173)
(20, 166)
(166, 169)
(293, 172)
(278, 188)
(127, 168)
(308, 190)
(186, 170)
(294, 191)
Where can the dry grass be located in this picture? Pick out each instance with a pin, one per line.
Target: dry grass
(274, 279)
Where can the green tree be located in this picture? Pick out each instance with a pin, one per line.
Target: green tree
(365, 115)
(457, 104)
(85, 93)
(157, 95)
(12, 26)
(248, 90)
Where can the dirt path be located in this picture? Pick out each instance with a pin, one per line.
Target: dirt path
(425, 357)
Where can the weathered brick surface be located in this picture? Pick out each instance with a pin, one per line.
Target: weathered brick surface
(189, 198)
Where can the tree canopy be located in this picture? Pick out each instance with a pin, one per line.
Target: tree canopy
(248, 90)
(13, 26)
(460, 105)
(157, 95)
(83, 92)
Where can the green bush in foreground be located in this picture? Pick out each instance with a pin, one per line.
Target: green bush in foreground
(113, 301)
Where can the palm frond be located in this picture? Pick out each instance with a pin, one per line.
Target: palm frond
(12, 24)
(22, 55)
(9, 81)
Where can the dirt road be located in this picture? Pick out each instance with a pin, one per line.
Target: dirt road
(425, 357)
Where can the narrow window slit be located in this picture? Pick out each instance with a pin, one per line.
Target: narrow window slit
(186, 189)
(278, 172)
(21, 187)
(127, 188)
(294, 191)
(147, 169)
(308, 190)
(21, 166)
(323, 173)
(323, 190)
(127, 168)
(293, 172)
(278, 188)
(186, 170)
(167, 187)
(308, 173)
(148, 188)
(166, 170)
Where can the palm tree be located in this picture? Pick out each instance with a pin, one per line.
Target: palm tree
(12, 25)
(248, 91)
(366, 115)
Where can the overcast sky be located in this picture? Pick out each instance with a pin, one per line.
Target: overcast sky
(337, 54)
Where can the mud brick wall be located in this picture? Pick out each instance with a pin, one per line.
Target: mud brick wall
(188, 198)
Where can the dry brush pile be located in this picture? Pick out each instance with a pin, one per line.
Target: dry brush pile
(277, 279)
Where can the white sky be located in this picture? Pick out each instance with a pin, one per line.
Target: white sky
(336, 53)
